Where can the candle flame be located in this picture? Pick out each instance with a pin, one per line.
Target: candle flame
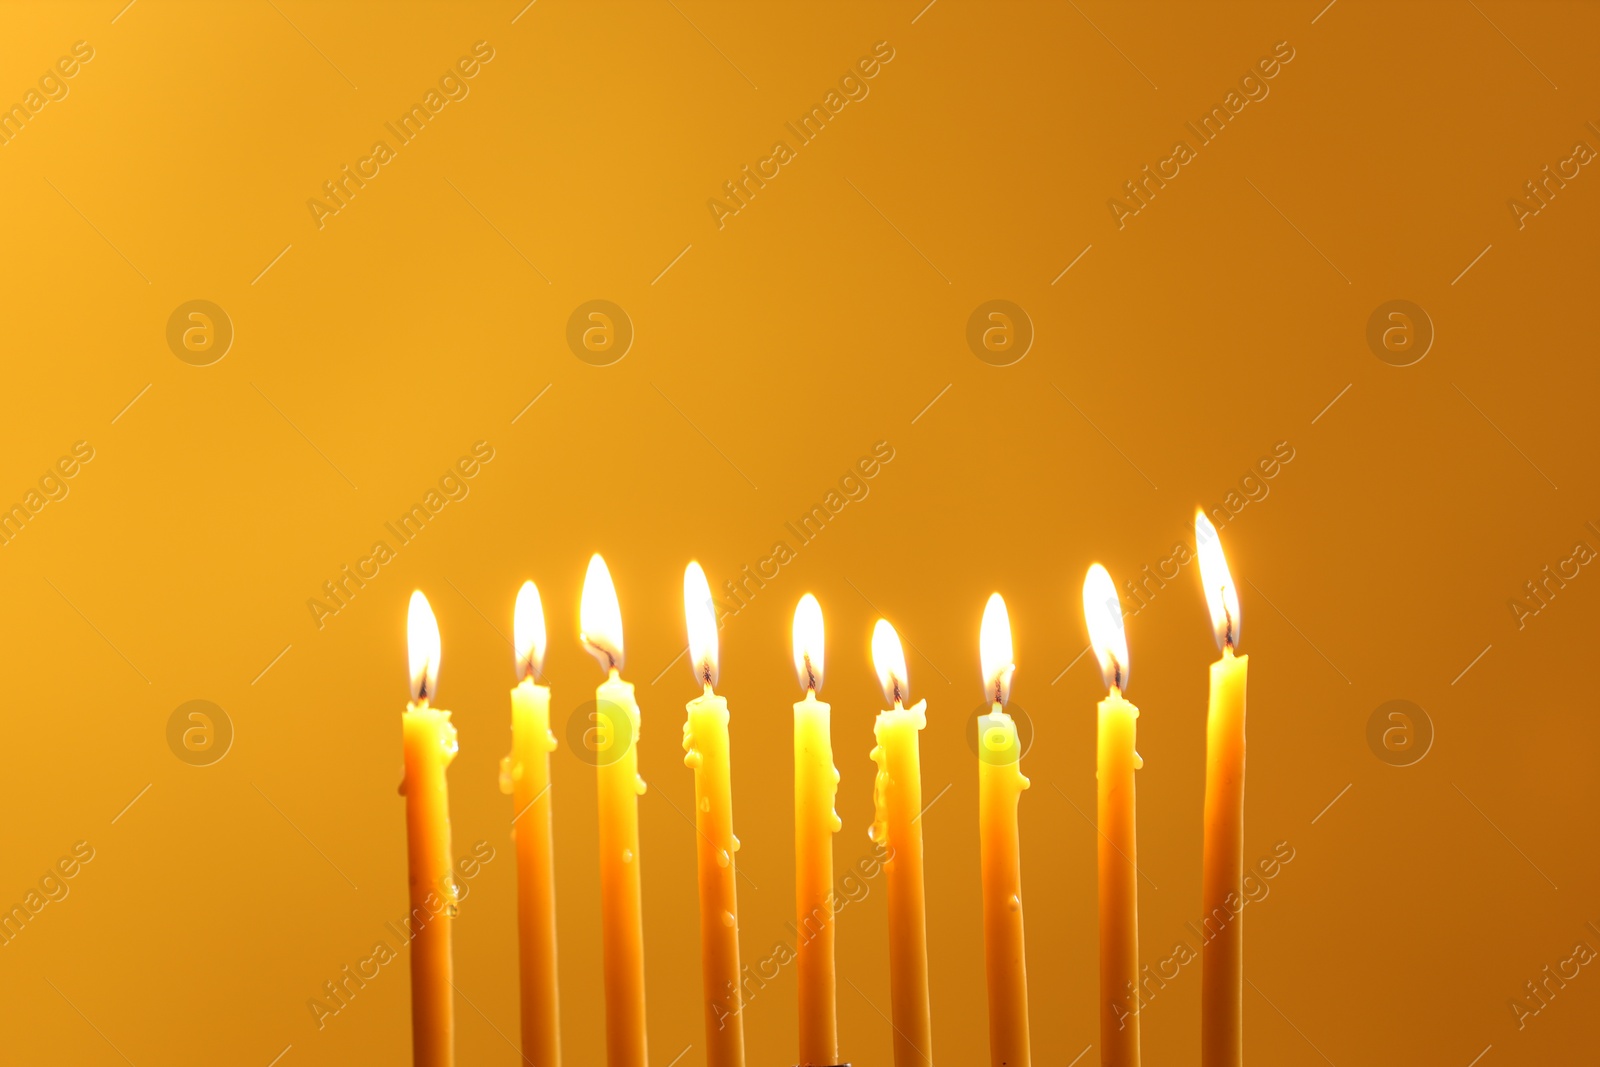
(808, 643)
(1221, 597)
(701, 615)
(1102, 612)
(890, 660)
(994, 650)
(600, 616)
(527, 629)
(422, 643)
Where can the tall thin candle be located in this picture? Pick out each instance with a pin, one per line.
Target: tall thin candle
(1000, 786)
(705, 746)
(1116, 761)
(616, 756)
(816, 782)
(430, 745)
(1222, 875)
(525, 774)
(897, 828)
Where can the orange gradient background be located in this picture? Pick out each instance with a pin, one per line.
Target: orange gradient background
(769, 356)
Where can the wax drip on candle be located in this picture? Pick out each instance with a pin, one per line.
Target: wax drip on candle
(889, 659)
(878, 834)
(808, 644)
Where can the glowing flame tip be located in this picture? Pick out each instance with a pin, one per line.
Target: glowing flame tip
(808, 643)
(700, 613)
(422, 646)
(1102, 612)
(890, 660)
(995, 651)
(600, 616)
(1222, 598)
(528, 631)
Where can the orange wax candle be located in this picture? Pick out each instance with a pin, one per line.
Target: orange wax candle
(1222, 875)
(616, 731)
(1116, 761)
(525, 774)
(897, 828)
(1000, 786)
(816, 782)
(430, 745)
(706, 747)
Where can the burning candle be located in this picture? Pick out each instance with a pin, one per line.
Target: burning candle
(616, 734)
(816, 782)
(525, 774)
(1222, 877)
(1000, 786)
(430, 745)
(897, 828)
(1119, 885)
(705, 746)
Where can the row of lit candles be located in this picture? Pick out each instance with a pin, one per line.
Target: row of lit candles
(430, 744)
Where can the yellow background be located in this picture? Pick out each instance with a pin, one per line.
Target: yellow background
(822, 318)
